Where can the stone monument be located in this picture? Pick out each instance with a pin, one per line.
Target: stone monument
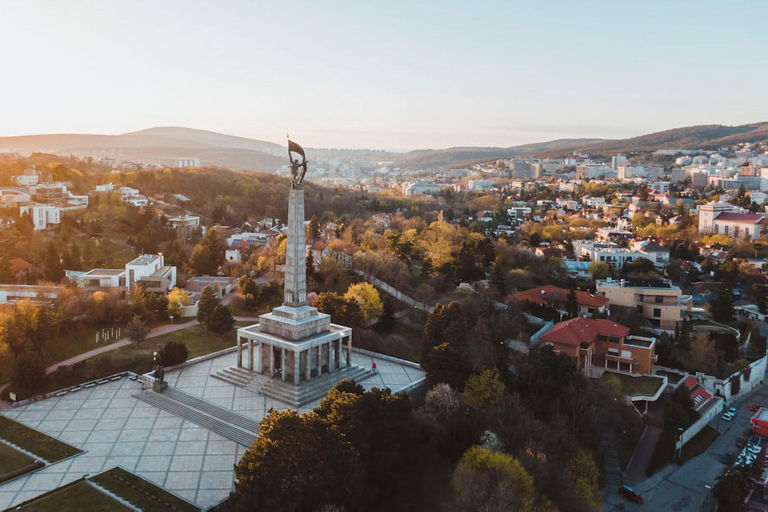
(294, 343)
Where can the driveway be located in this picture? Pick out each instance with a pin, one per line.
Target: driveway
(681, 488)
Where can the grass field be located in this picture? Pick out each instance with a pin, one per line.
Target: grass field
(12, 459)
(35, 442)
(198, 339)
(141, 493)
(672, 377)
(74, 498)
(645, 385)
(63, 347)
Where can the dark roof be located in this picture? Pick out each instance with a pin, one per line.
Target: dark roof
(744, 218)
(580, 330)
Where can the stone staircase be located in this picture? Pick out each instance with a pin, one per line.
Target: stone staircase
(203, 414)
(307, 392)
(234, 375)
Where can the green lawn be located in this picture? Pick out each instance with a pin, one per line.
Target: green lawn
(141, 493)
(58, 349)
(699, 443)
(12, 459)
(35, 442)
(645, 385)
(672, 377)
(75, 498)
(198, 339)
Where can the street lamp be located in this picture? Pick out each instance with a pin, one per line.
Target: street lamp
(171, 319)
(680, 440)
(709, 493)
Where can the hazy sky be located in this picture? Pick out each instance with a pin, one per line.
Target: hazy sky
(389, 74)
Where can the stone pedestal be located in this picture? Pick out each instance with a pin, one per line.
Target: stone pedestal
(159, 386)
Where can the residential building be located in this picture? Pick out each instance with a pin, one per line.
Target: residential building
(519, 212)
(653, 251)
(618, 160)
(607, 252)
(603, 344)
(188, 162)
(659, 301)
(556, 297)
(150, 271)
(480, 184)
(412, 188)
(184, 221)
(729, 220)
(29, 177)
(43, 215)
(698, 394)
(585, 171)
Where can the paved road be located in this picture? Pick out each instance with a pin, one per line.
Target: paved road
(681, 488)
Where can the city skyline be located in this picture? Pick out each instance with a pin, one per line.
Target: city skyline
(395, 77)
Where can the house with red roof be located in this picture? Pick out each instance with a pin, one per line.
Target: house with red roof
(727, 219)
(601, 343)
(557, 297)
(696, 391)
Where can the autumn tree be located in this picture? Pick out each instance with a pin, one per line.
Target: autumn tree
(484, 390)
(342, 310)
(367, 299)
(490, 481)
(177, 300)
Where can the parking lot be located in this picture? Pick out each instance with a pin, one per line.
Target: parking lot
(682, 488)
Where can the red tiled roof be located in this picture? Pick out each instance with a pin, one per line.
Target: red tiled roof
(579, 330)
(744, 218)
(555, 295)
(698, 394)
(18, 264)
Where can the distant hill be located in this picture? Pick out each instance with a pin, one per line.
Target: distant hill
(452, 157)
(163, 145)
(709, 136)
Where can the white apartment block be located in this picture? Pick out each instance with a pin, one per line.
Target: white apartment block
(43, 215)
(412, 188)
(479, 184)
(150, 271)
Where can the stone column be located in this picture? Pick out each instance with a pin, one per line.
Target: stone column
(295, 294)
(257, 348)
(271, 360)
(282, 366)
(296, 368)
(349, 350)
(250, 355)
(239, 352)
(331, 366)
(319, 360)
(308, 370)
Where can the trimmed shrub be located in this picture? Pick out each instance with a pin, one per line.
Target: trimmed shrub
(172, 353)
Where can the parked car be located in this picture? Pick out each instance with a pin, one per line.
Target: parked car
(630, 494)
(728, 416)
(732, 409)
(754, 407)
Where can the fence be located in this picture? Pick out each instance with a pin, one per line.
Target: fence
(394, 292)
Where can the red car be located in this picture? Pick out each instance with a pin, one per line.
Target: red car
(754, 407)
(630, 494)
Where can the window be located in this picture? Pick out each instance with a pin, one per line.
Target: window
(656, 312)
(726, 229)
(659, 299)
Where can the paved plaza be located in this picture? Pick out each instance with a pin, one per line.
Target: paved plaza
(116, 429)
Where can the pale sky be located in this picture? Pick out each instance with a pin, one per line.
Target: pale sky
(388, 74)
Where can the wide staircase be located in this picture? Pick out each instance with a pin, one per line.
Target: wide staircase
(287, 392)
(307, 392)
(226, 423)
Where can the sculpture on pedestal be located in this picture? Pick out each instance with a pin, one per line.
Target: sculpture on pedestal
(296, 176)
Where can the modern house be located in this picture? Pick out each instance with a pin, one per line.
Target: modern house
(659, 301)
(150, 271)
(602, 344)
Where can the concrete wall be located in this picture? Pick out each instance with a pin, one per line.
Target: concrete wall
(722, 387)
(714, 408)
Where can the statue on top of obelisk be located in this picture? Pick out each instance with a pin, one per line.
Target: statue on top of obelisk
(297, 176)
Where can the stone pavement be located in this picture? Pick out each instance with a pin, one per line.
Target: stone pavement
(116, 429)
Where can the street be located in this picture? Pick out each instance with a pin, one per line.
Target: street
(681, 488)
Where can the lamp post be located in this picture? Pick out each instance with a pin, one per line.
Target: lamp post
(680, 440)
(171, 319)
(709, 493)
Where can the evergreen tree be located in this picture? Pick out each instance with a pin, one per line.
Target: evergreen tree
(572, 305)
(6, 274)
(721, 305)
(427, 270)
(221, 320)
(310, 263)
(498, 281)
(387, 321)
(137, 329)
(314, 227)
(208, 255)
(206, 304)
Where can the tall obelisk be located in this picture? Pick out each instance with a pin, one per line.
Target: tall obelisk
(295, 265)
